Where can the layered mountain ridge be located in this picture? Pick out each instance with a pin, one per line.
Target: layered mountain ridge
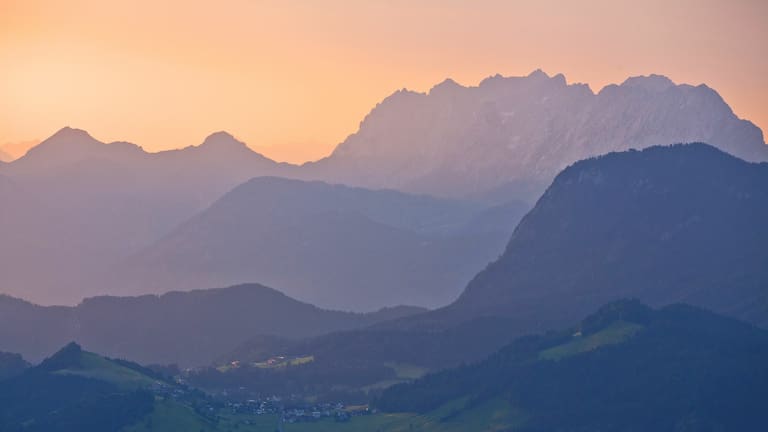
(331, 245)
(187, 328)
(499, 143)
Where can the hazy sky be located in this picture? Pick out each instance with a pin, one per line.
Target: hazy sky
(294, 78)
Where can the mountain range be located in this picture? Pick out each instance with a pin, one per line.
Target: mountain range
(83, 218)
(511, 210)
(77, 212)
(667, 224)
(78, 205)
(509, 136)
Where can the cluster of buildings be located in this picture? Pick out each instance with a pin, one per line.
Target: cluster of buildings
(336, 411)
(290, 413)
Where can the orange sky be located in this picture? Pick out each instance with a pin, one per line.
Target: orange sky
(294, 78)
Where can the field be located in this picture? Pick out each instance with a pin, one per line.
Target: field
(611, 335)
(97, 367)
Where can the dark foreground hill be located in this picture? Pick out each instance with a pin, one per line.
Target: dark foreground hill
(76, 390)
(685, 223)
(188, 328)
(625, 368)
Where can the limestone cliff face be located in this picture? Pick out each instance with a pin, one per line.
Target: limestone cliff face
(517, 133)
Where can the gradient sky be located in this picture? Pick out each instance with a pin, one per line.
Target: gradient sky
(294, 78)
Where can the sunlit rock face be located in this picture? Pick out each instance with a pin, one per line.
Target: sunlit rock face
(511, 136)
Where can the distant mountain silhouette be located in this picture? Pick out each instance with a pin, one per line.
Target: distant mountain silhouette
(330, 245)
(69, 146)
(188, 328)
(625, 368)
(80, 205)
(114, 203)
(516, 133)
(667, 224)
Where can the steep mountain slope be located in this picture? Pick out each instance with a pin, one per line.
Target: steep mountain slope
(515, 134)
(188, 328)
(693, 370)
(667, 224)
(330, 245)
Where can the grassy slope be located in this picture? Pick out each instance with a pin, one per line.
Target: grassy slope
(613, 334)
(97, 367)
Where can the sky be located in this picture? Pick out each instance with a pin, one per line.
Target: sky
(294, 78)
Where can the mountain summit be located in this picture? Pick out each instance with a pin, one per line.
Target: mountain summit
(70, 146)
(69, 134)
(652, 83)
(223, 141)
(510, 136)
